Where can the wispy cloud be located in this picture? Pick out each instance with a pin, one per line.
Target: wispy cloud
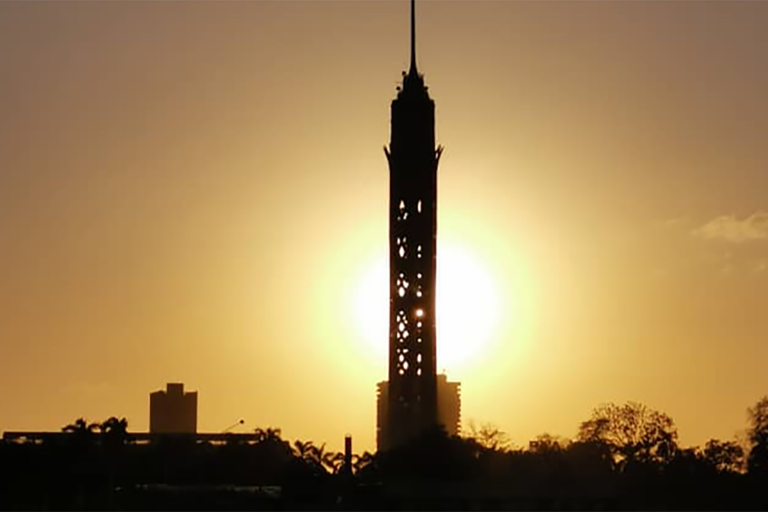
(732, 229)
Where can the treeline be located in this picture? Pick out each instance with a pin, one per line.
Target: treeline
(624, 457)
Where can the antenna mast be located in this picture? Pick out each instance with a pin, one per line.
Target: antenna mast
(413, 36)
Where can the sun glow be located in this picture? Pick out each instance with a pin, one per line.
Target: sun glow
(468, 307)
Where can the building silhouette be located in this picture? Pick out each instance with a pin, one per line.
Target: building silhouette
(382, 413)
(173, 411)
(449, 404)
(448, 407)
(411, 395)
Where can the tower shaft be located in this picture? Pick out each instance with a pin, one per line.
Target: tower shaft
(413, 160)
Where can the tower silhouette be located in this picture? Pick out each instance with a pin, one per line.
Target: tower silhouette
(411, 399)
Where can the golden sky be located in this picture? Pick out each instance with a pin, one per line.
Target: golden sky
(197, 192)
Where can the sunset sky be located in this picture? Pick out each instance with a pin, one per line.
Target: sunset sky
(196, 191)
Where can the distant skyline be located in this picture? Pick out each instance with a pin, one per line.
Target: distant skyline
(195, 191)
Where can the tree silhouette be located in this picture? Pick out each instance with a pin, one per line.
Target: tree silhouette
(488, 436)
(334, 461)
(724, 456)
(114, 433)
(80, 427)
(268, 434)
(78, 463)
(624, 457)
(757, 462)
(546, 443)
(303, 449)
(360, 462)
(81, 433)
(320, 459)
(632, 432)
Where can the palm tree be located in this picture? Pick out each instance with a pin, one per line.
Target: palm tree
(115, 431)
(81, 432)
(268, 434)
(303, 450)
(314, 457)
(115, 434)
(80, 437)
(321, 459)
(80, 426)
(271, 453)
(334, 462)
(362, 461)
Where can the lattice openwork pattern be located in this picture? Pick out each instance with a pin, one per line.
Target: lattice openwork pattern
(410, 302)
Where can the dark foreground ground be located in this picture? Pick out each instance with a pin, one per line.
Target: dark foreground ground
(345, 494)
(113, 471)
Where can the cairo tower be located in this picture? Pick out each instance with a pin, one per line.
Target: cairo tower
(408, 402)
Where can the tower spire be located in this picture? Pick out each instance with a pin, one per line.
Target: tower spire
(413, 37)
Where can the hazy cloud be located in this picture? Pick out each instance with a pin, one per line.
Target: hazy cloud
(732, 229)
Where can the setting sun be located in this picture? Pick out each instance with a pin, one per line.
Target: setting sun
(468, 307)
